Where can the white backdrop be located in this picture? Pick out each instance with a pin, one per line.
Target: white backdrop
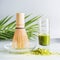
(49, 8)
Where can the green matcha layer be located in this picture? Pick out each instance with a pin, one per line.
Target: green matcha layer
(44, 40)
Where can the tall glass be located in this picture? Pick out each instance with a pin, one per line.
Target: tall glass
(44, 32)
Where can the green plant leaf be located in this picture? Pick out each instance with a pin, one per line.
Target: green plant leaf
(9, 25)
(27, 16)
(6, 20)
(32, 20)
(2, 20)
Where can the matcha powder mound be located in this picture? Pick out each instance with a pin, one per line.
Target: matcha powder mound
(40, 51)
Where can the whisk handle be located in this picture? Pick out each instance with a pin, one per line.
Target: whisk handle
(19, 19)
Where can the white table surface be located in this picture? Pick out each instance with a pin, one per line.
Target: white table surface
(4, 55)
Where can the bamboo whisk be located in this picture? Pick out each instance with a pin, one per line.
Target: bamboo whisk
(20, 39)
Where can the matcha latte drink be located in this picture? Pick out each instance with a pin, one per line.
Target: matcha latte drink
(44, 39)
(44, 35)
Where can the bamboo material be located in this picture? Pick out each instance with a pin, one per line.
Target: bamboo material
(20, 39)
(19, 19)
